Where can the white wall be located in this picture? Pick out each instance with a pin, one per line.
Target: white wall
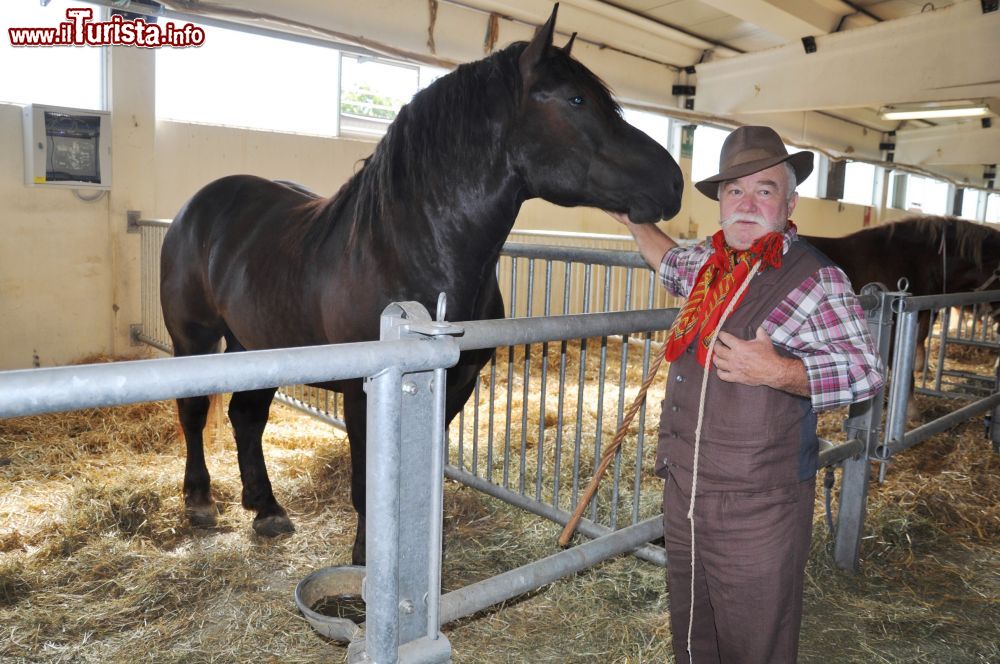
(55, 267)
(69, 271)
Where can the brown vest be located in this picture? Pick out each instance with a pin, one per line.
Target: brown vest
(752, 438)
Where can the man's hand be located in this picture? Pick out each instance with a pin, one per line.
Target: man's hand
(755, 362)
(652, 242)
(620, 217)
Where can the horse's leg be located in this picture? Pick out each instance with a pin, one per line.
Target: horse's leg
(193, 339)
(923, 330)
(248, 412)
(198, 502)
(919, 361)
(355, 419)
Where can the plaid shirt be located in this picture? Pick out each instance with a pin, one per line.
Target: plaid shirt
(820, 322)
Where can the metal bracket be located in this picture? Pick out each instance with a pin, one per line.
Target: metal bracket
(134, 330)
(416, 319)
(868, 436)
(132, 218)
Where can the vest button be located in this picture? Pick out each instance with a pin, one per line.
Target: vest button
(680, 379)
(674, 409)
(673, 434)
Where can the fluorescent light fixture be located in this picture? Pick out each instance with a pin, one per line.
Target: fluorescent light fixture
(935, 110)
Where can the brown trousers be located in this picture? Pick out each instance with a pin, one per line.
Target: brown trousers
(750, 557)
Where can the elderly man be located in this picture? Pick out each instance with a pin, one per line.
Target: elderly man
(739, 454)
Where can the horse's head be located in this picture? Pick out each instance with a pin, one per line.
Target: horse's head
(572, 145)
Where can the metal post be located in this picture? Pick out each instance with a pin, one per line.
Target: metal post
(899, 389)
(406, 417)
(942, 347)
(862, 423)
(381, 589)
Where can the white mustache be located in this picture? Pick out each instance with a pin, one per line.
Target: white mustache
(743, 216)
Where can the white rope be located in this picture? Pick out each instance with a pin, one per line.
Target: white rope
(697, 437)
(943, 250)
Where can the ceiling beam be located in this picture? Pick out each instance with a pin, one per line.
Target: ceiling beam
(941, 55)
(967, 143)
(605, 24)
(791, 19)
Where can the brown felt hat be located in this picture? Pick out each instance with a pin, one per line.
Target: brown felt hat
(751, 149)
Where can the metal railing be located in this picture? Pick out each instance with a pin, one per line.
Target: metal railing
(969, 326)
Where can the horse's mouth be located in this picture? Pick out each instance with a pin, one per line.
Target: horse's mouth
(642, 214)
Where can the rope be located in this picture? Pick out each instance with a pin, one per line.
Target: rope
(697, 438)
(609, 454)
(943, 250)
(828, 481)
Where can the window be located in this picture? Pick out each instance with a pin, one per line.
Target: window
(970, 204)
(859, 183)
(243, 80)
(70, 76)
(993, 209)
(657, 126)
(707, 149)
(372, 91)
(926, 195)
(809, 186)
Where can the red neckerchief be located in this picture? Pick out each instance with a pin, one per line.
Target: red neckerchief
(717, 281)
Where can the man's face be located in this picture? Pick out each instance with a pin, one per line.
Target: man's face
(755, 205)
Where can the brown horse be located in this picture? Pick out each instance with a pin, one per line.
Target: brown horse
(935, 254)
(265, 265)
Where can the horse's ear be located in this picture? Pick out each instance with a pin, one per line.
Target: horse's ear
(539, 46)
(569, 45)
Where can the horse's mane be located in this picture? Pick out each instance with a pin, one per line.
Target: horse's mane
(964, 239)
(453, 125)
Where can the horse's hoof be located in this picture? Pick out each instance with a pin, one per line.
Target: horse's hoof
(202, 516)
(272, 526)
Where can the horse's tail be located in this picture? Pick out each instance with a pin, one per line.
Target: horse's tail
(215, 424)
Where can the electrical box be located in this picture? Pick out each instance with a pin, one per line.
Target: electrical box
(67, 147)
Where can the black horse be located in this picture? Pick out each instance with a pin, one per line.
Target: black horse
(935, 254)
(265, 265)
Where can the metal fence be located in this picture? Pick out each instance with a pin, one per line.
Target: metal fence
(404, 429)
(963, 326)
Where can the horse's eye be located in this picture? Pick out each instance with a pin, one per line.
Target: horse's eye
(576, 101)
